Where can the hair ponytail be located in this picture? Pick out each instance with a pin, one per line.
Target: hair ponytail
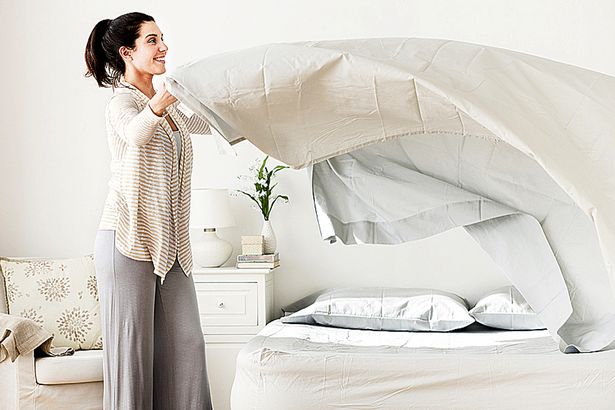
(102, 56)
(95, 58)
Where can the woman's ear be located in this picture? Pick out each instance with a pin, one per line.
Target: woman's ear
(125, 53)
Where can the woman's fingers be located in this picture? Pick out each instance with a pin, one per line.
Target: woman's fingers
(162, 99)
(167, 94)
(164, 96)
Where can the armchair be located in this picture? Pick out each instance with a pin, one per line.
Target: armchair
(51, 383)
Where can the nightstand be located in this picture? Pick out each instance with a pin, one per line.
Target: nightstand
(234, 304)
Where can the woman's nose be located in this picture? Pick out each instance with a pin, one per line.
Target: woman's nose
(163, 46)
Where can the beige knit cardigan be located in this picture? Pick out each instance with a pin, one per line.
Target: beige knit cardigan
(148, 204)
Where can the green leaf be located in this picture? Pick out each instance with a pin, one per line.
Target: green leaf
(279, 168)
(252, 198)
(263, 167)
(276, 198)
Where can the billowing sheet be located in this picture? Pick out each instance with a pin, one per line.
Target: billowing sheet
(305, 103)
(311, 367)
(417, 186)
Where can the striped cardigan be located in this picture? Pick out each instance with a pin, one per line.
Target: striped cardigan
(148, 204)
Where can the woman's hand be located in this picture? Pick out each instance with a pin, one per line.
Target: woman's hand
(161, 100)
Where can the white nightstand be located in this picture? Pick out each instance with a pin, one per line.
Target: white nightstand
(234, 305)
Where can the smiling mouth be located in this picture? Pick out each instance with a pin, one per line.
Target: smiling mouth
(159, 60)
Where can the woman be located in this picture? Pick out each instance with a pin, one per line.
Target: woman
(154, 352)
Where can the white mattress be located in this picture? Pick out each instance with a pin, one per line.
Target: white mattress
(292, 366)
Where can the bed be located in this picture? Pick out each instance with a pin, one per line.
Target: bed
(296, 366)
(406, 138)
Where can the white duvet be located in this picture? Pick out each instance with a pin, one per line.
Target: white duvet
(311, 367)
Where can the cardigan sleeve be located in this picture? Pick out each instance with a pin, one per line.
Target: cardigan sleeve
(134, 126)
(194, 123)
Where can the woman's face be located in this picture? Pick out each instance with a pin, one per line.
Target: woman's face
(148, 55)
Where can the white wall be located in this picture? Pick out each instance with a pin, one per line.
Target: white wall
(54, 155)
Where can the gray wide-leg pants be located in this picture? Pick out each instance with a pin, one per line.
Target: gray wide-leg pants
(153, 346)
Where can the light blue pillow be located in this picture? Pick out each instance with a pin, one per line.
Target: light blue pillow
(506, 308)
(380, 308)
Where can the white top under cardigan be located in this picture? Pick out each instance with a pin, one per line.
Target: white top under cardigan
(178, 142)
(148, 204)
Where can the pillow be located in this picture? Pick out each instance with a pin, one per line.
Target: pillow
(59, 294)
(505, 308)
(302, 303)
(378, 308)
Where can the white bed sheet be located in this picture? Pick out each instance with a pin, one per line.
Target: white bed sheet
(293, 366)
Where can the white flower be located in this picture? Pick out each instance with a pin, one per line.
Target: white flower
(261, 181)
(256, 165)
(262, 194)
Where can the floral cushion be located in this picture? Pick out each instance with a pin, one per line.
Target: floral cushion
(59, 294)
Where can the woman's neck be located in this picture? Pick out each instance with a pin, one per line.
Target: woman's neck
(142, 82)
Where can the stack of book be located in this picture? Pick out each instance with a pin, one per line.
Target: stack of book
(268, 260)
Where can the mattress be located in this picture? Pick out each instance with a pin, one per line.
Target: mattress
(294, 366)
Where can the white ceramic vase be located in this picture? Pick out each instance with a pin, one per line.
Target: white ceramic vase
(269, 241)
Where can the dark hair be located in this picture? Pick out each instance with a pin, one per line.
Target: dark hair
(102, 55)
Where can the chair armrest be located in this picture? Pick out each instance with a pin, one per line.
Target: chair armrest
(18, 382)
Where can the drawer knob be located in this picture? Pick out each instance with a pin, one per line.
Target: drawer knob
(220, 304)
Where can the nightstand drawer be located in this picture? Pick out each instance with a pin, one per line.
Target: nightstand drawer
(227, 303)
